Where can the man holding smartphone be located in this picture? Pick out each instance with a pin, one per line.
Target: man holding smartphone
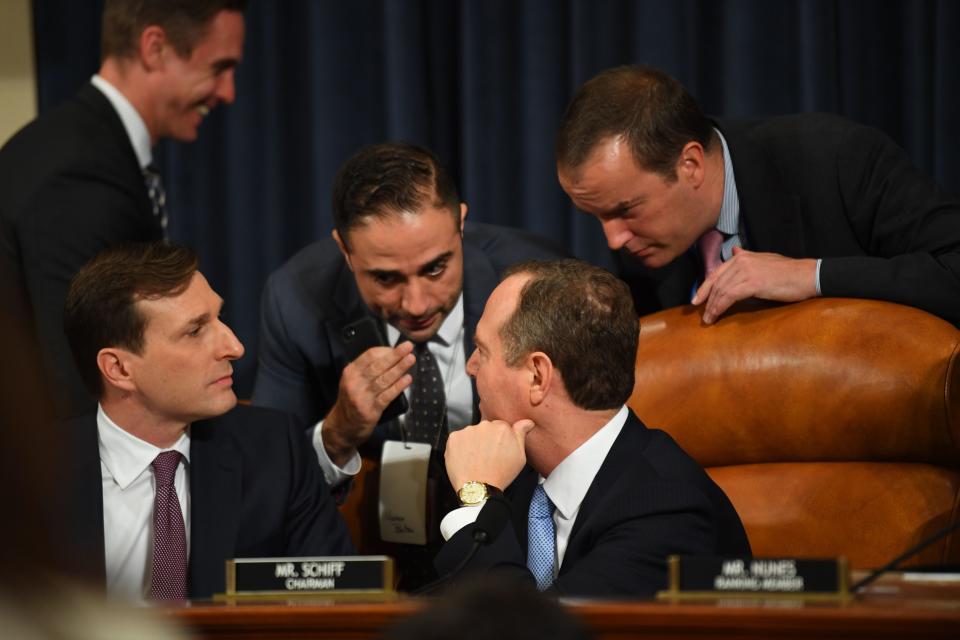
(401, 254)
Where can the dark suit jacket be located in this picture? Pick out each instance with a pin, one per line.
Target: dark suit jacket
(307, 302)
(649, 500)
(255, 491)
(70, 185)
(820, 186)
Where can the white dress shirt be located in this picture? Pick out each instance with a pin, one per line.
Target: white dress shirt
(129, 492)
(566, 486)
(135, 126)
(447, 348)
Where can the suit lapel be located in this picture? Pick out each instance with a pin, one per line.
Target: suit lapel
(215, 509)
(349, 308)
(93, 99)
(770, 216)
(633, 437)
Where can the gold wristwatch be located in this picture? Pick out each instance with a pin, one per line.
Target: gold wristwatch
(473, 493)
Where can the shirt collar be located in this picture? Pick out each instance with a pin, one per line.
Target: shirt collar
(729, 220)
(448, 332)
(569, 481)
(126, 456)
(135, 126)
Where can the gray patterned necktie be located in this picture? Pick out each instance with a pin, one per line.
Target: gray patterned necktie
(168, 581)
(428, 405)
(158, 196)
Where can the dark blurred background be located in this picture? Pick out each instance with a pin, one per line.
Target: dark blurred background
(483, 83)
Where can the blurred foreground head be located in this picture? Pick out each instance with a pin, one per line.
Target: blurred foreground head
(490, 608)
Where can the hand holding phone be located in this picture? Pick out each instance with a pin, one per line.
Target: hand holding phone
(358, 339)
(370, 391)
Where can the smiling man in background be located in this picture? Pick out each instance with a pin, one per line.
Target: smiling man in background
(79, 178)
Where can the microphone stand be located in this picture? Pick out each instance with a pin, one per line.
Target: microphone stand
(912, 551)
(487, 527)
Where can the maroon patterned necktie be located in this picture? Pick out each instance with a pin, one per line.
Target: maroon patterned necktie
(168, 581)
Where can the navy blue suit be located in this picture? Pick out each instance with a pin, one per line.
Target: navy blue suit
(820, 186)
(255, 491)
(649, 500)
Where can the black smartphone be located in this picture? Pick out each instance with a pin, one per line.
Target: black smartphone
(358, 337)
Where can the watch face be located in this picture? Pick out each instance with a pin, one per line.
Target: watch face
(472, 493)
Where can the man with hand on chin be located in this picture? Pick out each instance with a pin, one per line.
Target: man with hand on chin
(598, 500)
(80, 178)
(170, 477)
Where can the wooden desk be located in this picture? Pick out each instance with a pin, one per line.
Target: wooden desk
(890, 609)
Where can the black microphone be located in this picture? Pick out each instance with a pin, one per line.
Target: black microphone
(912, 551)
(491, 520)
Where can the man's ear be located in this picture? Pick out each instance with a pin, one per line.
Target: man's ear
(542, 376)
(690, 166)
(463, 216)
(343, 247)
(114, 365)
(153, 44)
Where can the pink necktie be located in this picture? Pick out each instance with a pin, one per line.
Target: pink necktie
(709, 244)
(169, 578)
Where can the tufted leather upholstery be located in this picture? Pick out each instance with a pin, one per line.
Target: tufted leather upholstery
(832, 424)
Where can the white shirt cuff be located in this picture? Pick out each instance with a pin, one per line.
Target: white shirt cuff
(819, 293)
(458, 519)
(333, 474)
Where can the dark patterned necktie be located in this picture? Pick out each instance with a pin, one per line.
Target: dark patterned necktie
(168, 581)
(427, 419)
(158, 196)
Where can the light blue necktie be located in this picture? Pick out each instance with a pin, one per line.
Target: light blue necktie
(541, 539)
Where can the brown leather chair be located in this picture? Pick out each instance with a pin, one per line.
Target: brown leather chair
(833, 425)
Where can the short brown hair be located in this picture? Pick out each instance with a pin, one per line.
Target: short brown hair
(184, 22)
(101, 308)
(385, 179)
(582, 317)
(651, 110)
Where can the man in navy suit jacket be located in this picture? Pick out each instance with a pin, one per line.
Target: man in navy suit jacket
(145, 330)
(72, 181)
(403, 254)
(554, 365)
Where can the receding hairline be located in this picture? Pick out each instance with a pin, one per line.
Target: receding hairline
(386, 213)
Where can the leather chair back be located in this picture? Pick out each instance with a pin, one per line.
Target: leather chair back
(833, 425)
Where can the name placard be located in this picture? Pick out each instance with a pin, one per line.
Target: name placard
(713, 577)
(286, 577)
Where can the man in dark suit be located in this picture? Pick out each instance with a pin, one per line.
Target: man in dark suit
(75, 180)
(787, 208)
(145, 330)
(598, 500)
(401, 253)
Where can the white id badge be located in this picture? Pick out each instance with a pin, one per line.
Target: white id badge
(403, 492)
